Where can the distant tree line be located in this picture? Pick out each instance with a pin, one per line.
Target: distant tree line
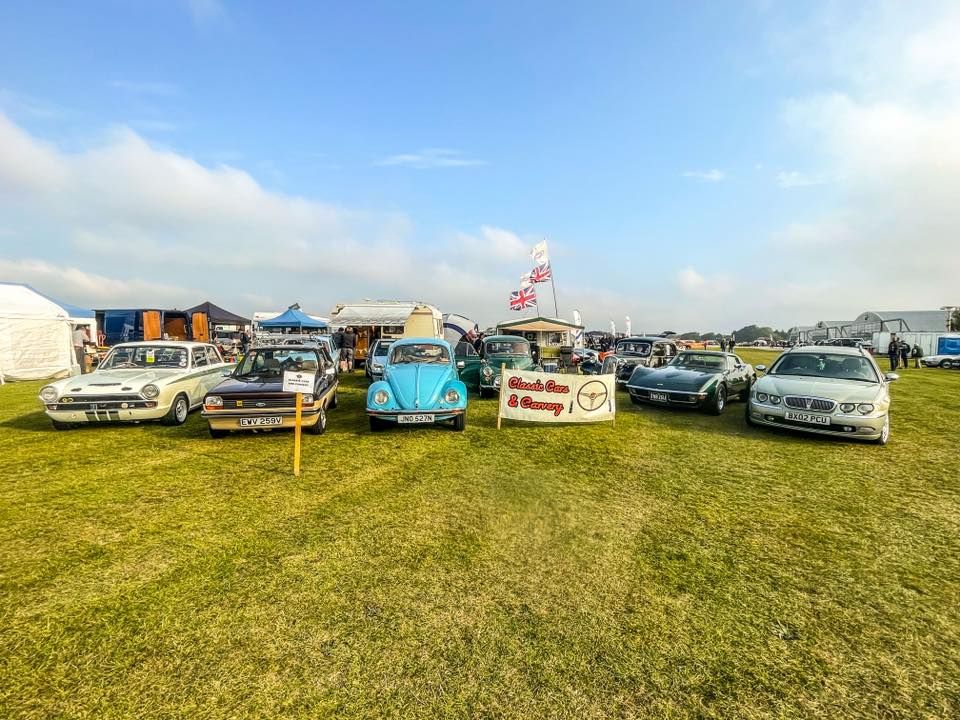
(746, 334)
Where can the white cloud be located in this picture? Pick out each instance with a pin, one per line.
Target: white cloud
(26, 164)
(430, 158)
(713, 175)
(788, 179)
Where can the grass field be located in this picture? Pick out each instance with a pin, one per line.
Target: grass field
(674, 565)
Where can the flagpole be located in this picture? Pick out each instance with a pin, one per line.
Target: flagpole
(554, 288)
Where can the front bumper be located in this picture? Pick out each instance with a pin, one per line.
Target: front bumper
(230, 419)
(491, 383)
(675, 398)
(854, 427)
(439, 414)
(105, 412)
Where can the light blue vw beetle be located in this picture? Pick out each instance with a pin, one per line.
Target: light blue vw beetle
(420, 386)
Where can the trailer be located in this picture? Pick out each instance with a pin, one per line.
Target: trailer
(130, 325)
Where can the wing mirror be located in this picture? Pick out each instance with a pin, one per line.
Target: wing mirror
(762, 368)
(330, 372)
(461, 364)
(891, 377)
(226, 373)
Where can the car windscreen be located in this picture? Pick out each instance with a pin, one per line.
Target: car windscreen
(145, 356)
(419, 353)
(381, 349)
(698, 361)
(633, 348)
(272, 362)
(826, 365)
(506, 347)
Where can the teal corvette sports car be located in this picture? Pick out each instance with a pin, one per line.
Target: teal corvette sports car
(694, 378)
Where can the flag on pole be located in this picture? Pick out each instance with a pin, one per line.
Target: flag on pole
(539, 253)
(541, 273)
(523, 298)
(525, 280)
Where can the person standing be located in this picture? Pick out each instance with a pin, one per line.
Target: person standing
(723, 344)
(732, 343)
(917, 353)
(244, 342)
(79, 341)
(893, 352)
(905, 354)
(347, 349)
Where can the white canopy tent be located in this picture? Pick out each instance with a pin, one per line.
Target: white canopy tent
(35, 334)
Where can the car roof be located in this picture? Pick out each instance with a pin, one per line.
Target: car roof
(505, 338)
(285, 347)
(422, 341)
(170, 343)
(708, 352)
(645, 338)
(827, 349)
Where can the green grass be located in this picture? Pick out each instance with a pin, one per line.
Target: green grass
(674, 565)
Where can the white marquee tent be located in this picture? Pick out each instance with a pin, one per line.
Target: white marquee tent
(35, 334)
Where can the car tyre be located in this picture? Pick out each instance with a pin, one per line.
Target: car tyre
(719, 402)
(178, 412)
(320, 426)
(745, 394)
(334, 401)
(460, 422)
(884, 433)
(218, 434)
(57, 425)
(946, 363)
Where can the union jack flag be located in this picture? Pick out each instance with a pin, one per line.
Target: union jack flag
(541, 273)
(523, 298)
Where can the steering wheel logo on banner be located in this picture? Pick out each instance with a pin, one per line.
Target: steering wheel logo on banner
(592, 395)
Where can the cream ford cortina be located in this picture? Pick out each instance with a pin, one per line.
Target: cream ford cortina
(155, 380)
(837, 391)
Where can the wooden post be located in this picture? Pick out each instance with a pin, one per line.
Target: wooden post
(500, 396)
(296, 436)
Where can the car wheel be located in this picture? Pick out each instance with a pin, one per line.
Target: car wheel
(57, 425)
(884, 433)
(218, 434)
(945, 363)
(334, 402)
(745, 395)
(177, 415)
(719, 402)
(376, 424)
(460, 422)
(320, 426)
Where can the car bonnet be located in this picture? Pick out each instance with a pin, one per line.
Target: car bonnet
(837, 389)
(417, 386)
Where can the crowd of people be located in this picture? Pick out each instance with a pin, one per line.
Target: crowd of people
(900, 352)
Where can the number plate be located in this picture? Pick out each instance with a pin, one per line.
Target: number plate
(660, 397)
(260, 421)
(809, 418)
(414, 419)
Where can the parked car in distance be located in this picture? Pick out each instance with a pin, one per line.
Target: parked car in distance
(824, 390)
(940, 361)
(419, 386)
(376, 357)
(252, 396)
(137, 381)
(502, 351)
(694, 378)
(632, 352)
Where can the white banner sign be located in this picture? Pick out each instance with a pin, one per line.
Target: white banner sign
(553, 397)
(301, 382)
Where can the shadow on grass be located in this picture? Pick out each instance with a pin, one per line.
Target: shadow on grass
(31, 422)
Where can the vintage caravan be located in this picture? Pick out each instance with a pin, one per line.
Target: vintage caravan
(392, 319)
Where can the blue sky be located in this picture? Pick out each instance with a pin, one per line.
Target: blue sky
(693, 165)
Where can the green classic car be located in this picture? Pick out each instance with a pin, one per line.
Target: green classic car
(694, 378)
(497, 351)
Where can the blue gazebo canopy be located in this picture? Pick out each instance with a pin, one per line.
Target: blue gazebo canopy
(293, 319)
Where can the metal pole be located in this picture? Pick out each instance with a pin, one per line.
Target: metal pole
(554, 288)
(296, 437)
(500, 396)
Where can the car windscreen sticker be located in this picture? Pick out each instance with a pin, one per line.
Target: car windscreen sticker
(151, 356)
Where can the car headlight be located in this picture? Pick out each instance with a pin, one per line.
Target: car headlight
(307, 398)
(376, 366)
(452, 396)
(865, 408)
(762, 397)
(213, 401)
(150, 391)
(380, 397)
(487, 371)
(774, 399)
(847, 407)
(48, 394)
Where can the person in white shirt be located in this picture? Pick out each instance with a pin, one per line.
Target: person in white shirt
(79, 339)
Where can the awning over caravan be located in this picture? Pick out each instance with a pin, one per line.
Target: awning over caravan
(539, 324)
(373, 315)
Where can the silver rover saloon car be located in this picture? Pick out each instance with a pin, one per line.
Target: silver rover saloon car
(826, 390)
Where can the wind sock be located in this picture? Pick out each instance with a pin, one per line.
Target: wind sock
(577, 334)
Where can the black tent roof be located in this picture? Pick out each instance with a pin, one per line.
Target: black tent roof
(217, 314)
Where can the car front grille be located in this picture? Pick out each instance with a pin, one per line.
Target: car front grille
(102, 402)
(247, 402)
(809, 403)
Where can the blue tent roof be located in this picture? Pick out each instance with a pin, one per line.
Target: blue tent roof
(293, 318)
